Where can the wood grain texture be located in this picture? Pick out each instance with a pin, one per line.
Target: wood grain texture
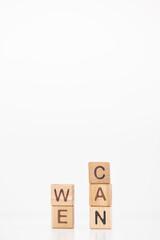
(99, 172)
(100, 195)
(100, 218)
(62, 194)
(62, 217)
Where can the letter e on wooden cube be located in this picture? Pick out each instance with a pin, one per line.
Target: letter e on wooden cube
(62, 217)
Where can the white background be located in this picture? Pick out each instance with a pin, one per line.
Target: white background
(79, 82)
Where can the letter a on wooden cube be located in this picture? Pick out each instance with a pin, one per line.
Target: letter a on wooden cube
(100, 218)
(62, 194)
(99, 172)
(100, 195)
(62, 217)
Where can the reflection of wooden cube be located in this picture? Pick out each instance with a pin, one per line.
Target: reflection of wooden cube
(100, 195)
(62, 217)
(101, 234)
(100, 218)
(62, 194)
(99, 172)
(65, 234)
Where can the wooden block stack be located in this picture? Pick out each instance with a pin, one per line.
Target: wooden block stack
(100, 195)
(62, 204)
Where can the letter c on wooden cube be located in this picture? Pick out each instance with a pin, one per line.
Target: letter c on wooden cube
(99, 172)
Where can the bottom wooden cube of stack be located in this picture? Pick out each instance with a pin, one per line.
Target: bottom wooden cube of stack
(62, 216)
(100, 217)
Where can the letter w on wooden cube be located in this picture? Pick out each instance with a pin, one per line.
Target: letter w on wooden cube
(62, 194)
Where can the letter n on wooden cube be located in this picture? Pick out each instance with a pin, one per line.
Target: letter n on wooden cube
(100, 218)
(62, 217)
(62, 194)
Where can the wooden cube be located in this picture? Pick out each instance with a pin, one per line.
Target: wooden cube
(100, 218)
(62, 217)
(99, 172)
(100, 195)
(62, 194)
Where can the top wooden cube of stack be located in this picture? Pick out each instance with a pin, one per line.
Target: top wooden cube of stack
(99, 172)
(62, 194)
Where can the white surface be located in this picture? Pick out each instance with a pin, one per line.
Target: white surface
(38, 228)
(79, 82)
